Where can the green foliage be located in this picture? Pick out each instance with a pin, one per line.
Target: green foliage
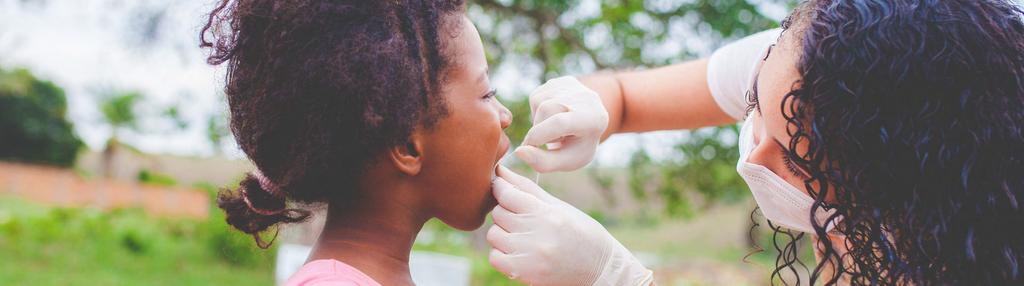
(118, 109)
(641, 173)
(521, 122)
(153, 178)
(605, 180)
(58, 246)
(444, 239)
(562, 38)
(542, 30)
(705, 168)
(708, 164)
(600, 217)
(227, 243)
(231, 245)
(173, 114)
(216, 131)
(33, 121)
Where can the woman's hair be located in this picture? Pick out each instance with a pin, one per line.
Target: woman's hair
(913, 114)
(317, 89)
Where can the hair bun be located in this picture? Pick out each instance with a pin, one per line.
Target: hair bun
(263, 197)
(253, 209)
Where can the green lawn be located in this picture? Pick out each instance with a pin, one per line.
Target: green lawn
(56, 246)
(59, 246)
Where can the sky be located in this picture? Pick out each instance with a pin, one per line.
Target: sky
(92, 47)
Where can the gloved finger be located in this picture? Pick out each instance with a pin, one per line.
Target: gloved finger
(503, 263)
(524, 184)
(567, 158)
(498, 238)
(549, 108)
(508, 221)
(550, 89)
(512, 198)
(552, 129)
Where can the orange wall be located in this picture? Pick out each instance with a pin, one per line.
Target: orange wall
(62, 187)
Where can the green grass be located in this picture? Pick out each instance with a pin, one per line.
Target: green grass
(705, 248)
(58, 246)
(61, 246)
(453, 242)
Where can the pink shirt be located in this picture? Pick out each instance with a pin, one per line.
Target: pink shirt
(329, 272)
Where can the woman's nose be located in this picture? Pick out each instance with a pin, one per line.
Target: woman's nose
(759, 152)
(504, 116)
(759, 155)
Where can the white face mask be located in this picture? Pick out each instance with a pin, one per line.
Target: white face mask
(780, 202)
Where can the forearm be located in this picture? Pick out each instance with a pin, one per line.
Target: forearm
(666, 98)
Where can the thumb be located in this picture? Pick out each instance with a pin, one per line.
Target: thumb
(511, 197)
(524, 184)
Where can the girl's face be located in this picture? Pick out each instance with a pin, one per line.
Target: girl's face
(774, 79)
(467, 143)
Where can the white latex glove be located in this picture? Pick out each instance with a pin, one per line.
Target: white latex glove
(540, 240)
(569, 119)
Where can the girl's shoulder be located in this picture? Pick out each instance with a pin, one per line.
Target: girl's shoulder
(329, 272)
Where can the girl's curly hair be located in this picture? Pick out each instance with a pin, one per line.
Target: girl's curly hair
(913, 114)
(317, 88)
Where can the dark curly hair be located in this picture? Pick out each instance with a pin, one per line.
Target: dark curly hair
(318, 88)
(913, 114)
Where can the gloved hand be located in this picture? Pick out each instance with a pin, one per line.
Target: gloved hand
(540, 240)
(569, 118)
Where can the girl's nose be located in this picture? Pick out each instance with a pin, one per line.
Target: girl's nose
(504, 116)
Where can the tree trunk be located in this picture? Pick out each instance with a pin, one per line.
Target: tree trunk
(107, 161)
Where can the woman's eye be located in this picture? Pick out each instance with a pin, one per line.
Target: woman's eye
(792, 168)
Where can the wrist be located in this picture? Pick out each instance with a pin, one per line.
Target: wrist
(622, 268)
(609, 88)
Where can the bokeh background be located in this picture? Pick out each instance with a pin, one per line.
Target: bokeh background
(113, 141)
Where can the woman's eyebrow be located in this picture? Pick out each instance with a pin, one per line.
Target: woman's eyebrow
(752, 94)
(754, 99)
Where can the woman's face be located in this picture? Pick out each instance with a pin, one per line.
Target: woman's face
(467, 143)
(776, 77)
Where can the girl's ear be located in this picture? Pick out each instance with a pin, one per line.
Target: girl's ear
(408, 157)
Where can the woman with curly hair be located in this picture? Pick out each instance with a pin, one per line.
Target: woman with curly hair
(380, 110)
(890, 132)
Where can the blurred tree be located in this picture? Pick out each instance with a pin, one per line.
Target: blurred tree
(605, 183)
(560, 37)
(216, 131)
(118, 109)
(150, 177)
(173, 114)
(33, 124)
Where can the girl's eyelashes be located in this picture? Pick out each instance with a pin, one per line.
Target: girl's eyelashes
(491, 94)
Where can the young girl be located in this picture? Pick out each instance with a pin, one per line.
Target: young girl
(382, 110)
